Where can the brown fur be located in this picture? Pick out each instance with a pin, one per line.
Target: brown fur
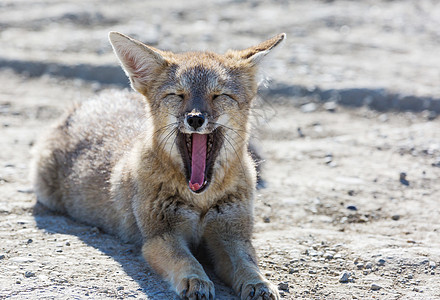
(114, 162)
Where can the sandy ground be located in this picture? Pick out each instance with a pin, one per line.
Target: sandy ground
(351, 205)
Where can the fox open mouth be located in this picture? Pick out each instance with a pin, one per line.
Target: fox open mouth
(199, 152)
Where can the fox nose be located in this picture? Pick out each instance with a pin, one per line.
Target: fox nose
(195, 120)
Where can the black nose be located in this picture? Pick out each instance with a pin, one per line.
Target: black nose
(195, 120)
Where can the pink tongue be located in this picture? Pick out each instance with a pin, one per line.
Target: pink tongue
(198, 161)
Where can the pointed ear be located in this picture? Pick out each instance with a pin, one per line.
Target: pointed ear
(139, 61)
(256, 53)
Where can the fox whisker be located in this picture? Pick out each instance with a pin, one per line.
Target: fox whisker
(232, 129)
(226, 138)
(163, 142)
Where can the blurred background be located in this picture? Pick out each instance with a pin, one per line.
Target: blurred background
(382, 53)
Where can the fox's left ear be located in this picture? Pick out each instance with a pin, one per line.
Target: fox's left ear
(256, 53)
(139, 61)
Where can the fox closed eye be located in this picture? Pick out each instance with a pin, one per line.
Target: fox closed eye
(214, 97)
(181, 96)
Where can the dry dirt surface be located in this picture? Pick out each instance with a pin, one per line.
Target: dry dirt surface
(348, 128)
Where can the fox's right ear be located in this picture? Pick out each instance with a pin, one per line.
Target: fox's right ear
(254, 55)
(139, 61)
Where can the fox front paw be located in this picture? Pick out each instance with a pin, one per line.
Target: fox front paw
(195, 288)
(259, 291)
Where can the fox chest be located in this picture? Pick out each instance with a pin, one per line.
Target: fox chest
(191, 223)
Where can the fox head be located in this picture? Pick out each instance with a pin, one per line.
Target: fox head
(199, 101)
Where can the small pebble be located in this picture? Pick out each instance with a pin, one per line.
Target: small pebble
(395, 217)
(375, 287)
(284, 286)
(402, 179)
(29, 241)
(380, 262)
(292, 270)
(330, 106)
(328, 158)
(368, 265)
(300, 133)
(432, 264)
(28, 274)
(308, 107)
(345, 275)
(352, 207)
(119, 288)
(2, 256)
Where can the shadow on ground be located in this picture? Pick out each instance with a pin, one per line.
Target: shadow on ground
(379, 99)
(127, 255)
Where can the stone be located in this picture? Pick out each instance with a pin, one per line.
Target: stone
(344, 277)
(308, 107)
(28, 274)
(284, 286)
(330, 106)
(402, 179)
(380, 262)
